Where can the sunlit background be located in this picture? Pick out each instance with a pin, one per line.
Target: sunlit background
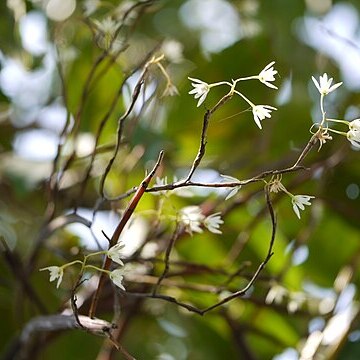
(47, 48)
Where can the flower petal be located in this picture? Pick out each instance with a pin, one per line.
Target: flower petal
(233, 192)
(117, 276)
(296, 210)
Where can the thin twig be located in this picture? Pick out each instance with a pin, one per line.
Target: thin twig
(261, 266)
(171, 299)
(306, 150)
(167, 258)
(203, 140)
(257, 178)
(121, 120)
(105, 119)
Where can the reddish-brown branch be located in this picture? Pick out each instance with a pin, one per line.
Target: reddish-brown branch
(115, 237)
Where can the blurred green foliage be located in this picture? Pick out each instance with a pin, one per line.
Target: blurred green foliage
(248, 327)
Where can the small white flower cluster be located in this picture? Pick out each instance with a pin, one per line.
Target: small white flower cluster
(298, 201)
(353, 134)
(117, 275)
(192, 218)
(114, 253)
(260, 112)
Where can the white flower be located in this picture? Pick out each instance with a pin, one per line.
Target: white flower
(114, 253)
(117, 277)
(324, 86)
(354, 125)
(200, 90)
(56, 272)
(261, 112)
(213, 222)
(267, 75)
(105, 34)
(192, 217)
(354, 137)
(298, 202)
(107, 26)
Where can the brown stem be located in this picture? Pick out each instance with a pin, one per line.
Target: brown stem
(203, 141)
(121, 121)
(261, 266)
(115, 237)
(167, 259)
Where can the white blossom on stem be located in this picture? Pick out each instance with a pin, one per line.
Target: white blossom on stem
(107, 26)
(324, 84)
(213, 222)
(56, 272)
(114, 253)
(117, 277)
(192, 218)
(298, 202)
(354, 137)
(267, 75)
(260, 112)
(354, 125)
(201, 89)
